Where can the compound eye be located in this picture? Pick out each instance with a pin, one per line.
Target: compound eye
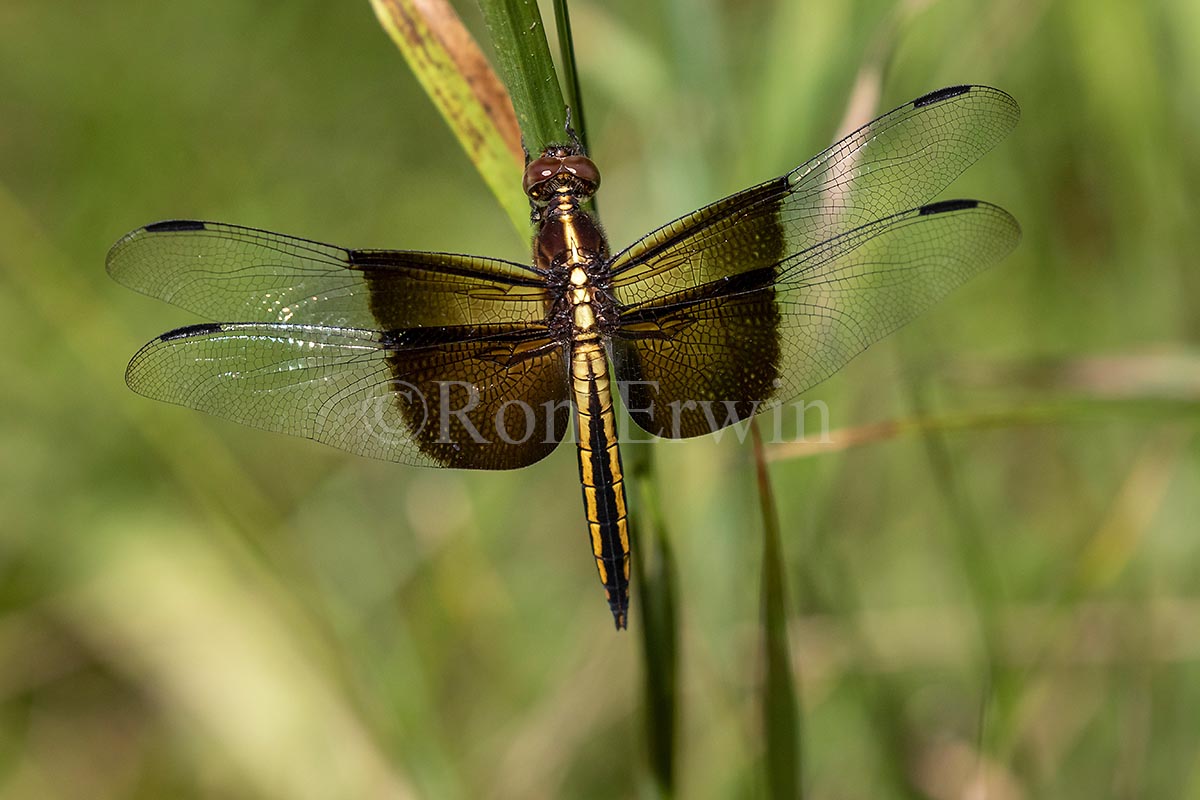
(583, 168)
(540, 169)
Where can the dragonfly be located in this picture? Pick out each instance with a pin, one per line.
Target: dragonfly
(468, 362)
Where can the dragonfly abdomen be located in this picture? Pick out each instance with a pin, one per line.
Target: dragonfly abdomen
(600, 473)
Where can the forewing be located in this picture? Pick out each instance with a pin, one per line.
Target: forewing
(896, 162)
(440, 397)
(698, 360)
(228, 272)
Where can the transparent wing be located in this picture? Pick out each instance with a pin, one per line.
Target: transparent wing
(896, 162)
(229, 272)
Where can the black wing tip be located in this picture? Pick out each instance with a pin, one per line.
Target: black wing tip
(945, 93)
(950, 92)
(188, 331)
(174, 226)
(943, 206)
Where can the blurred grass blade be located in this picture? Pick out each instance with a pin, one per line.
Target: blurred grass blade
(457, 77)
(226, 662)
(523, 57)
(972, 541)
(780, 705)
(840, 439)
(655, 574)
(1074, 411)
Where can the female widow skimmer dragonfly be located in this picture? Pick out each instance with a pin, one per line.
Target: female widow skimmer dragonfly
(462, 361)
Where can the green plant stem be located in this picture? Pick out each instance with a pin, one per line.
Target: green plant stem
(656, 575)
(654, 566)
(780, 706)
(566, 46)
(525, 65)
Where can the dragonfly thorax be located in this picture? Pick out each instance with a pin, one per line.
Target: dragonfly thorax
(570, 249)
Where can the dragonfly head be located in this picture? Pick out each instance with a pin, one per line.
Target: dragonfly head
(560, 170)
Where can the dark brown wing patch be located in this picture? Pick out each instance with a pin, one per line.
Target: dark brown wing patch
(706, 358)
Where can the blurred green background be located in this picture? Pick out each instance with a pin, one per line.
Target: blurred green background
(1004, 605)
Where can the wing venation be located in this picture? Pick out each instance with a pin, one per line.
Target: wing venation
(710, 356)
(476, 398)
